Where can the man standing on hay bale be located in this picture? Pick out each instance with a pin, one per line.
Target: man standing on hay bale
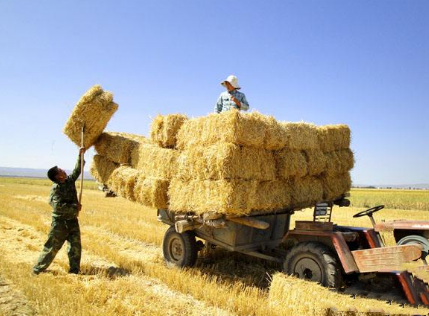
(232, 98)
(65, 226)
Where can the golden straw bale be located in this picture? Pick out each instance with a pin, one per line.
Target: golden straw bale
(291, 164)
(306, 192)
(247, 129)
(275, 134)
(93, 110)
(301, 135)
(335, 186)
(122, 181)
(232, 197)
(226, 161)
(117, 147)
(151, 192)
(339, 161)
(334, 137)
(154, 161)
(164, 128)
(316, 161)
(102, 168)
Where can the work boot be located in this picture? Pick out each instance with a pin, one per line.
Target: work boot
(73, 271)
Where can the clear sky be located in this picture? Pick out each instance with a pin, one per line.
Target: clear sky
(364, 63)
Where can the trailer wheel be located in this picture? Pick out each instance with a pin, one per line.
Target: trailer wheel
(416, 239)
(180, 250)
(313, 261)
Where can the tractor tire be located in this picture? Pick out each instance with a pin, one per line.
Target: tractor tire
(314, 261)
(416, 239)
(180, 250)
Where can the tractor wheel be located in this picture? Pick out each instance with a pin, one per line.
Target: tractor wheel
(416, 239)
(314, 261)
(180, 250)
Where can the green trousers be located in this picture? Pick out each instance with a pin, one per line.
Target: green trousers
(61, 230)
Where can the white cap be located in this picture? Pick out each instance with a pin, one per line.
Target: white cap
(232, 80)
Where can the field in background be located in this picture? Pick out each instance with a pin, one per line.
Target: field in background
(123, 271)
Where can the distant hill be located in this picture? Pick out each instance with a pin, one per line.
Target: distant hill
(32, 173)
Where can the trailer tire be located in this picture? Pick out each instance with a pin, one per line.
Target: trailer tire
(314, 261)
(180, 250)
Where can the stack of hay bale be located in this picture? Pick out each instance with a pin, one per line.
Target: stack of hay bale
(235, 162)
(230, 163)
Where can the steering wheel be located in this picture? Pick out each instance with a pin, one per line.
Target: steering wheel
(369, 211)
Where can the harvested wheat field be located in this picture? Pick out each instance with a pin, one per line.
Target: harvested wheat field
(123, 272)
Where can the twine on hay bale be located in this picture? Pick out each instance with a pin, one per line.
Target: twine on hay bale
(93, 110)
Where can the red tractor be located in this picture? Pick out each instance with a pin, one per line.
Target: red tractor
(317, 250)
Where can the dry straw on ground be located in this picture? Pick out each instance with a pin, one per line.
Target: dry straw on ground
(164, 129)
(102, 168)
(93, 110)
(118, 147)
(154, 161)
(297, 297)
(233, 197)
(226, 161)
(291, 164)
(334, 137)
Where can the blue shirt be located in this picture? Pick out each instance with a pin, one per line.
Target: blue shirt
(224, 102)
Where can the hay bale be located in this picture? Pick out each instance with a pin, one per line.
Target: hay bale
(122, 181)
(247, 129)
(276, 136)
(152, 192)
(290, 164)
(118, 147)
(316, 161)
(306, 192)
(102, 168)
(334, 137)
(301, 135)
(226, 161)
(339, 161)
(232, 197)
(154, 161)
(335, 186)
(94, 110)
(164, 128)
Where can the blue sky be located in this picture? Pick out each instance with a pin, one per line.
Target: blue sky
(363, 63)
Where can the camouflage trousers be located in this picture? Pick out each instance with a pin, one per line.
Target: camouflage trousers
(61, 230)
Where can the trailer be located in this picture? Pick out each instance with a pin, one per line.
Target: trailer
(316, 250)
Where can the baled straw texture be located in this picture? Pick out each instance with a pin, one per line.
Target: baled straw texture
(301, 135)
(118, 147)
(93, 110)
(226, 161)
(122, 182)
(339, 161)
(334, 137)
(335, 186)
(102, 168)
(232, 197)
(316, 161)
(154, 161)
(246, 129)
(291, 164)
(164, 128)
(152, 192)
(306, 192)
